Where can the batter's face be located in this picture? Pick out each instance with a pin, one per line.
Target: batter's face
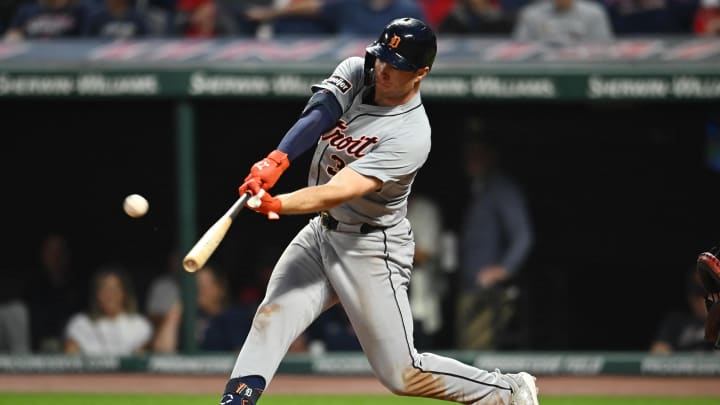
(394, 86)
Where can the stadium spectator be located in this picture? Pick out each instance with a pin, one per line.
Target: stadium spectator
(684, 330)
(166, 333)
(428, 284)
(159, 16)
(111, 325)
(14, 314)
(300, 24)
(478, 17)
(246, 26)
(204, 19)
(163, 306)
(707, 18)
(222, 324)
(651, 17)
(52, 294)
(47, 19)
(357, 18)
(496, 238)
(7, 10)
(436, 10)
(116, 19)
(513, 7)
(563, 22)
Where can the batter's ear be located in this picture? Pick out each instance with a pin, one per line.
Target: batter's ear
(421, 73)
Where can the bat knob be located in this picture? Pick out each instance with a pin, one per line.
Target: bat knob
(256, 200)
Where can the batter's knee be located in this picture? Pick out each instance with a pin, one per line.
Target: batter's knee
(413, 382)
(393, 384)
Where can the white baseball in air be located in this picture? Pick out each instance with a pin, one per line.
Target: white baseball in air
(135, 205)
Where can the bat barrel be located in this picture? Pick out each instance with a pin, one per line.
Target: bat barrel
(206, 245)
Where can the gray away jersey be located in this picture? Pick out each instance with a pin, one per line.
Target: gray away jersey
(388, 143)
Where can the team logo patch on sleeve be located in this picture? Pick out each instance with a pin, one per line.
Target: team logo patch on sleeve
(341, 84)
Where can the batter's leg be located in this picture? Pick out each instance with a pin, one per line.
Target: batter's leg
(297, 293)
(372, 287)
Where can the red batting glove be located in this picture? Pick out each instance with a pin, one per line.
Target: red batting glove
(262, 201)
(267, 171)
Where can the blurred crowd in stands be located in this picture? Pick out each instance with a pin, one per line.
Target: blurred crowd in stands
(467, 291)
(551, 20)
(50, 308)
(56, 305)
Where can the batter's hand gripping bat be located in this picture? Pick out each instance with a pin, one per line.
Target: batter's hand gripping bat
(206, 245)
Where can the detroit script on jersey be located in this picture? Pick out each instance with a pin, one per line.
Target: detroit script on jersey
(388, 143)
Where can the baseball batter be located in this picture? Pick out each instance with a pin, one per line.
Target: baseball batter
(371, 136)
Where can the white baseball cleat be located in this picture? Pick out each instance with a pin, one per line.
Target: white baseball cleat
(525, 392)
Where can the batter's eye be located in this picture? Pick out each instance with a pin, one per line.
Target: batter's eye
(339, 164)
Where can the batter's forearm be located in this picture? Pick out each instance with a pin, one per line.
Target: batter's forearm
(344, 186)
(310, 199)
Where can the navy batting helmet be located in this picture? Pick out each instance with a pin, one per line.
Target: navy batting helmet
(405, 43)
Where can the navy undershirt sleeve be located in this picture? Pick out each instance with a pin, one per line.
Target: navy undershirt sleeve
(321, 113)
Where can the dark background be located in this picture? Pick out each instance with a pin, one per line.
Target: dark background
(621, 196)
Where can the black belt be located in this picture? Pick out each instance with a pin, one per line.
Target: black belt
(333, 224)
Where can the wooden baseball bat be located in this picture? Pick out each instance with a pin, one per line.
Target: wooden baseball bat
(206, 245)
